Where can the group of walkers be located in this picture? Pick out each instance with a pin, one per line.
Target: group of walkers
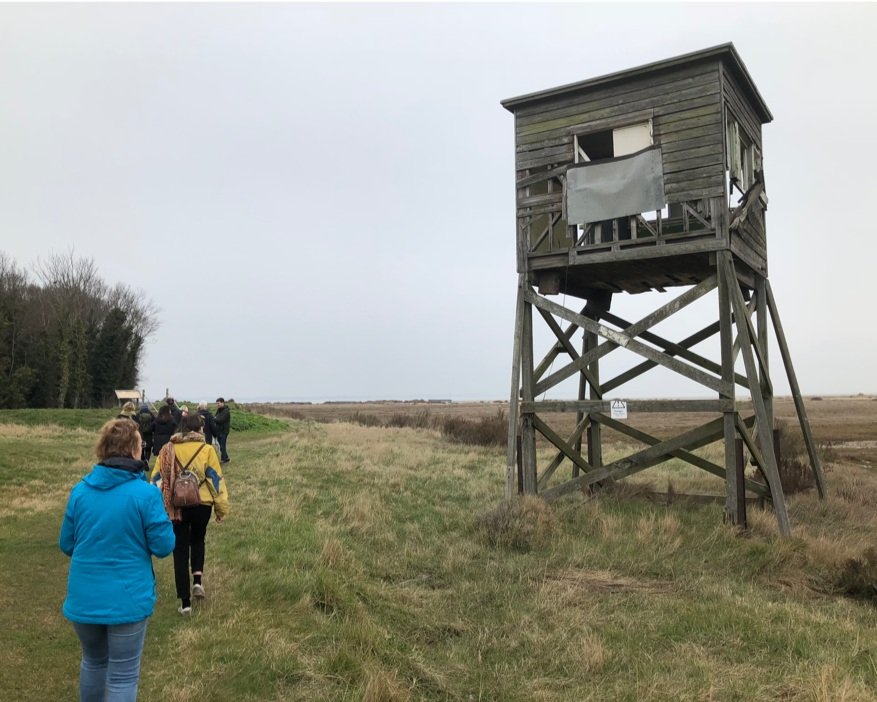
(120, 515)
(157, 430)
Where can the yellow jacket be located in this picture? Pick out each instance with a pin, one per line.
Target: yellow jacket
(205, 465)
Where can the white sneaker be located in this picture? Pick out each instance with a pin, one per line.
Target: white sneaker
(185, 611)
(198, 591)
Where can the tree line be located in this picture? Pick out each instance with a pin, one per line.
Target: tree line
(67, 338)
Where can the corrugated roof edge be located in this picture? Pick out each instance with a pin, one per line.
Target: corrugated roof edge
(715, 51)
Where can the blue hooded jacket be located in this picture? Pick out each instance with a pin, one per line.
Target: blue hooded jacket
(114, 523)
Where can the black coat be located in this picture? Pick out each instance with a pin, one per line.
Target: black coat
(161, 434)
(209, 426)
(223, 420)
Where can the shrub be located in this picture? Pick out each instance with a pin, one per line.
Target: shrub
(487, 431)
(418, 420)
(521, 524)
(796, 474)
(365, 419)
(858, 576)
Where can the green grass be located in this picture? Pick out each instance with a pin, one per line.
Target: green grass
(352, 568)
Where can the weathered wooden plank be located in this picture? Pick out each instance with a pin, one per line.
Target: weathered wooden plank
(557, 441)
(675, 349)
(691, 127)
(575, 438)
(815, 461)
(638, 370)
(689, 244)
(564, 341)
(622, 468)
(667, 115)
(514, 403)
(680, 187)
(537, 200)
(741, 106)
(551, 208)
(542, 157)
(539, 177)
(679, 197)
(633, 406)
(617, 108)
(626, 88)
(765, 433)
(683, 455)
(624, 340)
(671, 146)
(544, 144)
(528, 436)
(708, 151)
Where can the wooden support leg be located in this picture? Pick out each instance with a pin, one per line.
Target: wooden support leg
(815, 462)
(528, 430)
(765, 434)
(733, 486)
(515, 399)
(595, 433)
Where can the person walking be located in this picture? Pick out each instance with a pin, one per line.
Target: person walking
(176, 412)
(209, 423)
(187, 451)
(223, 427)
(162, 429)
(146, 423)
(128, 411)
(113, 524)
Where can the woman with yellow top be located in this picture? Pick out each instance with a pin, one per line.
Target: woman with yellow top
(187, 448)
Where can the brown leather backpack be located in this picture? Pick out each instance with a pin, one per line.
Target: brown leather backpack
(186, 490)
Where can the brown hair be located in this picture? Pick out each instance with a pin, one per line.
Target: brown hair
(116, 439)
(192, 422)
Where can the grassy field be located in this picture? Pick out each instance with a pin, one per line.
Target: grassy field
(356, 566)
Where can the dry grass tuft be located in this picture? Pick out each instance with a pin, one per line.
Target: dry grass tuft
(362, 513)
(333, 554)
(659, 531)
(577, 580)
(522, 524)
(384, 686)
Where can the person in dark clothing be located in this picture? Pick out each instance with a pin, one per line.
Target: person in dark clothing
(146, 421)
(162, 429)
(223, 426)
(209, 423)
(176, 412)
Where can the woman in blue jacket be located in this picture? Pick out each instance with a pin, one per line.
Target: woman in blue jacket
(114, 523)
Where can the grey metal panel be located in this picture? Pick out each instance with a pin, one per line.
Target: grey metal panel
(616, 187)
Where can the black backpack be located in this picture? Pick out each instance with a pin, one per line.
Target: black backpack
(145, 419)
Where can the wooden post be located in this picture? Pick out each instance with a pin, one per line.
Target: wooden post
(733, 487)
(595, 434)
(765, 434)
(514, 400)
(739, 517)
(528, 431)
(762, 322)
(815, 462)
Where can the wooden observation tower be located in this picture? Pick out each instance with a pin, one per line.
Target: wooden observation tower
(643, 180)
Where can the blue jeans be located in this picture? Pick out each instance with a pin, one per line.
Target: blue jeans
(110, 667)
(223, 454)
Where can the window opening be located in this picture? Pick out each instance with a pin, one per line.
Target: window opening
(611, 143)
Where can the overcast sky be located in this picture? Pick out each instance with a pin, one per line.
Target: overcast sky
(320, 198)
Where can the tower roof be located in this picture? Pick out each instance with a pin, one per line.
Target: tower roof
(725, 52)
